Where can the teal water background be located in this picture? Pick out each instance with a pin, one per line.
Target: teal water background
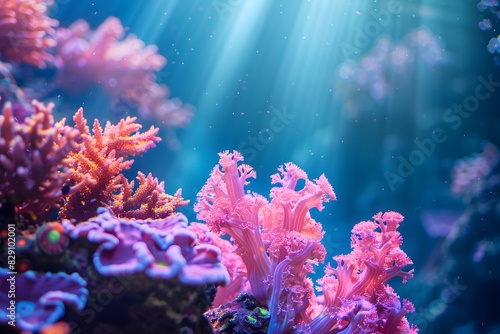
(244, 64)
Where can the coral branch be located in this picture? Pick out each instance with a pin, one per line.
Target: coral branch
(279, 243)
(100, 160)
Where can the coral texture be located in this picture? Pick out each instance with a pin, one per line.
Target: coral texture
(471, 175)
(144, 259)
(279, 243)
(238, 282)
(26, 32)
(33, 155)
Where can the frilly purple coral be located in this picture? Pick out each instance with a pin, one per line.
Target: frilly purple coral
(471, 174)
(40, 297)
(162, 249)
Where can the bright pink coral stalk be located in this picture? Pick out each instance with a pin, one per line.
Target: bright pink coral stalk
(279, 243)
(356, 294)
(26, 31)
(226, 208)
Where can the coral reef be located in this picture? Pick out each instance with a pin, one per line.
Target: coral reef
(465, 275)
(91, 251)
(137, 265)
(26, 32)
(33, 154)
(139, 261)
(490, 9)
(279, 243)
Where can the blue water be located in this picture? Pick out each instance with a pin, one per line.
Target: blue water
(265, 78)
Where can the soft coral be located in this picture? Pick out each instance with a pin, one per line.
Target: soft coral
(279, 242)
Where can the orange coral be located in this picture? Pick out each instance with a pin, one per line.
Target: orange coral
(101, 159)
(149, 201)
(33, 159)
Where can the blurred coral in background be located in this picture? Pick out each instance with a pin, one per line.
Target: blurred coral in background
(472, 175)
(26, 32)
(370, 79)
(490, 10)
(122, 65)
(96, 252)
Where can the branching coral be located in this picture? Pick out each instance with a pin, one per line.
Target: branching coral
(147, 243)
(33, 159)
(100, 160)
(26, 31)
(279, 242)
(356, 296)
(148, 201)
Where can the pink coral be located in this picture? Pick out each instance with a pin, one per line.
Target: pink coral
(26, 31)
(232, 261)
(471, 175)
(122, 65)
(279, 242)
(33, 158)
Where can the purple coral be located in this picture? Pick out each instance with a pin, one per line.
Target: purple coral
(40, 297)
(491, 9)
(161, 248)
(471, 174)
(32, 158)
